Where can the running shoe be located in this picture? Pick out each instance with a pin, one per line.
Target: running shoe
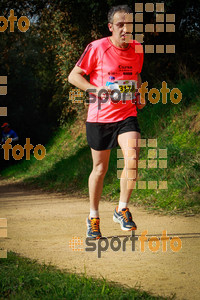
(93, 230)
(124, 218)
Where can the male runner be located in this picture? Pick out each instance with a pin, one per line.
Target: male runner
(111, 123)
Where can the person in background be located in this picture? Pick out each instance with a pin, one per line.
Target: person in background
(7, 132)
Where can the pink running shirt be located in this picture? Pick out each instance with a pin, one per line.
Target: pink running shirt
(101, 59)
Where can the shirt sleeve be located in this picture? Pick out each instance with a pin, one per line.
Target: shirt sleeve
(87, 61)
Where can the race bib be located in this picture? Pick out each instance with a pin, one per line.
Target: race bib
(127, 88)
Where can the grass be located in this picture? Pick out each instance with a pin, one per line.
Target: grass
(68, 163)
(22, 278)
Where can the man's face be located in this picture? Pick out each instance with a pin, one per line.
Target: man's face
(118, 29)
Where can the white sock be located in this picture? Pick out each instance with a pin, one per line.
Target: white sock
(122, 205)
(94, 213)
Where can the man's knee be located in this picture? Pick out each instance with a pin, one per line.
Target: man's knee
(100, 170)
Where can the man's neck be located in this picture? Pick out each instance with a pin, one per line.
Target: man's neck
(123, 46)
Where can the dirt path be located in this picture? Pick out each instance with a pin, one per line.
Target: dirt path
(41, 225)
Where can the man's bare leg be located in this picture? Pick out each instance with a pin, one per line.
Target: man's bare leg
(131, 155)
(96, 178)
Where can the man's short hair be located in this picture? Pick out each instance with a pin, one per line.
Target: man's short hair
(125, 8)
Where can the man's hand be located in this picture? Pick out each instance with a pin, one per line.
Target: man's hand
(102, 91)
(140, 101)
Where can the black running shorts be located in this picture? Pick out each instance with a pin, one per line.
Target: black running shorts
(103, 136)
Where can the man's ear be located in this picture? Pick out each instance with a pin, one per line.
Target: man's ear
(110, 27)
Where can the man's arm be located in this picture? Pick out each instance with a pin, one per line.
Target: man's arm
(139, 99)
(76, 78)
(13, 135)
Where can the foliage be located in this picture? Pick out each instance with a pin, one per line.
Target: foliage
(39, 61)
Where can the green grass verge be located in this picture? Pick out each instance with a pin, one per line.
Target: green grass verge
(68, 163)
(21, 278)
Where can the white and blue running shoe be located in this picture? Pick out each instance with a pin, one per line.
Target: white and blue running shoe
(124, 218)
